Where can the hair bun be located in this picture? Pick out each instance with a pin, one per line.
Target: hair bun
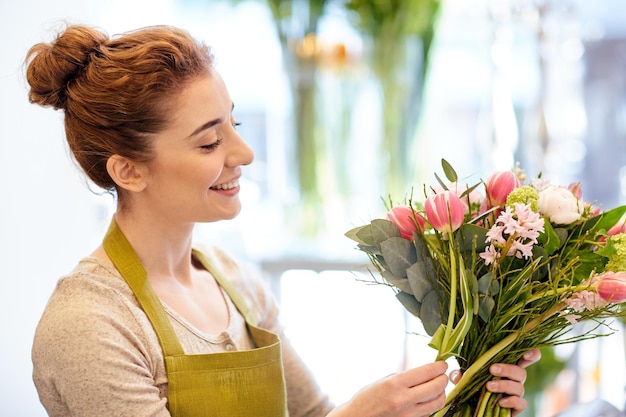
(52, 66)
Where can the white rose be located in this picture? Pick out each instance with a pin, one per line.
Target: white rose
(559, 205)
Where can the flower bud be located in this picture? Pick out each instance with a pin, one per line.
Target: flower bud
(406, 220)
(499, 186)
(445, 211)
(612, 286)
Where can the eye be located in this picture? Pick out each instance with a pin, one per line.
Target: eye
(212, 146)
(235, 124)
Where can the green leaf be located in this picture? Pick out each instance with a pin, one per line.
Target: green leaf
(399, 255)
(449, 171)
(430, 313)
(437, 338)
(361, 235)
(605, 220)
(549, 239)
(400, 283)
(487, 285)
(487, 304)
(468, 233)
(383, 230)
(589, 261)
(410, 303)
(419, 281)
(423, 255)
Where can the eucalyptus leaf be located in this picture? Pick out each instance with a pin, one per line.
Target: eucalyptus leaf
(400, 283)
(399, 255)
(423, 256)
(487, 304)
(470, 233)
(382, 230)
(419, 281)
(430, 312)
(362, 235)
(410, 303)
(487, 285)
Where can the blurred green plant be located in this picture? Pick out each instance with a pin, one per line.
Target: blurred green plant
(540, 377)
(400, 33)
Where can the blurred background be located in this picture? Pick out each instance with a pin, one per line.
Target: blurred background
(346, 103)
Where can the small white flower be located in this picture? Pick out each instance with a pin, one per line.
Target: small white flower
(559, 205)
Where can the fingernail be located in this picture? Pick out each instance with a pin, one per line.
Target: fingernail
(496, 369)
(492, 385)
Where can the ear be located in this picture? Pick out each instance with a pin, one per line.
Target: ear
(127, 174)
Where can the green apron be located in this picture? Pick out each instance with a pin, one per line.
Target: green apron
(230, 384)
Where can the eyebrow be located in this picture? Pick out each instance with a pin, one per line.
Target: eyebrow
(210, 124)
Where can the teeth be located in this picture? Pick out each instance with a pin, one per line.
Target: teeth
(226, 186)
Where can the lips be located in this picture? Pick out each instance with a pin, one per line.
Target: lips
(226, 186)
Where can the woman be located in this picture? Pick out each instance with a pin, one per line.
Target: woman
(147, 325)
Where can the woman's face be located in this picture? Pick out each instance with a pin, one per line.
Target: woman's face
(194, 176)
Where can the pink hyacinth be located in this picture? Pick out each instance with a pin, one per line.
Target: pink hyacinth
(445, 211)
(499, 186)
(406, 220)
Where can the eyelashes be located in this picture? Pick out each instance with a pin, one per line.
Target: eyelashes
(212, 146)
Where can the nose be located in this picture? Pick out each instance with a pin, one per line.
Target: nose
(240, 153)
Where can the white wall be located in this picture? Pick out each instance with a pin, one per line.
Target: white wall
(47, 217)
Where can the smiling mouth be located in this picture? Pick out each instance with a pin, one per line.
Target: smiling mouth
(226, 186)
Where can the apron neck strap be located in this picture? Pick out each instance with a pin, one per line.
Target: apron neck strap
(229, 288)
(128, 264)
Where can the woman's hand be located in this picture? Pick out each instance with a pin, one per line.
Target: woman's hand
(510, 381)
(418, 392)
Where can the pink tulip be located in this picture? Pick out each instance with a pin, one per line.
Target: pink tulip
(576, 189)
(499, 186)
(620, 227)
(445, 211)
(406, 220)
(612, 286)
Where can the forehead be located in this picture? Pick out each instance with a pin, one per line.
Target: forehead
(206, 94)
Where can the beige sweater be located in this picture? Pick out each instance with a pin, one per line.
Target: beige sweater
(96, 354)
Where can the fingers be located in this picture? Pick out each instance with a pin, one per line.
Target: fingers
(529, 358)
(512, 372)
(517, 404)
(511, 381)
(416, 376)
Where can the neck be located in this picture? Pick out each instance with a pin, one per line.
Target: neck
(164, 249)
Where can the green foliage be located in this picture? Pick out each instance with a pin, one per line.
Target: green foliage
(487, 312)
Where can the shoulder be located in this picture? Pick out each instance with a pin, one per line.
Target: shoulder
(91, 309)
(93, 342)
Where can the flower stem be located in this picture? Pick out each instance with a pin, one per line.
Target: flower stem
(453, 291)
(484, 359)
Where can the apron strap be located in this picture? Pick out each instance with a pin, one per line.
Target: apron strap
(128, 264)
(228, 286)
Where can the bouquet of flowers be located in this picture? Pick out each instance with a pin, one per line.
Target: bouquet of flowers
(497, 268)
